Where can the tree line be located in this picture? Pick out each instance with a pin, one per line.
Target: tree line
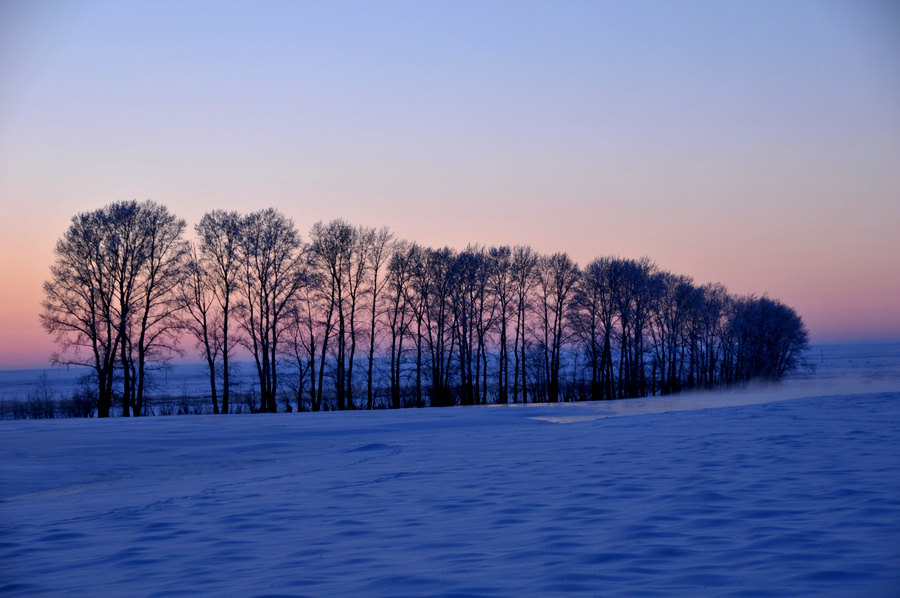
(353, 318)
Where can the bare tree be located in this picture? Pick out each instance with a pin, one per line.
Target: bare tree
(770, 338)
(219, 239)
(201, 319)
(124, 283)
(311, 327)
(159, 274)
(270, 256)
(417, 291)
(502, 287)
(556, 275)
(125, 258)
(41, 400)
(379, 253)
(398, 312)
(303, 333)
(707, 329)
(78, 303)
(334, 247)
(524, 266)
(112, 291)
(462, 302)
(433, 282)
(357, 273)
(473, 312)
(674, 304)
(631, 292)
(593, 318)
(485, 303)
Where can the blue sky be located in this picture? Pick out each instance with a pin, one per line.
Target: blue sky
(751, 143)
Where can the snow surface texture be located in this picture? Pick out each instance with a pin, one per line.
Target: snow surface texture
(792, 497)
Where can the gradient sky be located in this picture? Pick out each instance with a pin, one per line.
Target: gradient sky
(755, 144)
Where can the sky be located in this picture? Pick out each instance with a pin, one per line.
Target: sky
(756, 144)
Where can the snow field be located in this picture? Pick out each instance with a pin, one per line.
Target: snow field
(793, 498)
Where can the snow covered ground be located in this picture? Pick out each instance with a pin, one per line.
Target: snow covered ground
(785, 491)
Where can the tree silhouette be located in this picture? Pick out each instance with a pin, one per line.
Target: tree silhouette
(271, 262)
(219, 241)
(112, 292)
(480, 325)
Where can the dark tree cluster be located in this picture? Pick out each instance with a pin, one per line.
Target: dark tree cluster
(113, 292)
(355, 319)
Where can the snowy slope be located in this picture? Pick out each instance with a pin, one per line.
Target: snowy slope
(799, 497)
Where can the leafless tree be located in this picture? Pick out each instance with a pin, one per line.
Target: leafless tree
(112, 292)
(524, 267)
(159, 273)
(357, 275)
(41, 400)
(769, 338)
(502, 289)
(485, 319)
(335, 246)
(593, 318)
(463, 290)
(556, 275)
(433, 283)
(473, 314)
(78, 303)
(201, 319)
(399, 312)
(311, 327)
(124, 283)
(630, 288)
(219, 242)
(378, 254)
(417, 291)
(271, 261)
(708, 328)
(674, 305)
